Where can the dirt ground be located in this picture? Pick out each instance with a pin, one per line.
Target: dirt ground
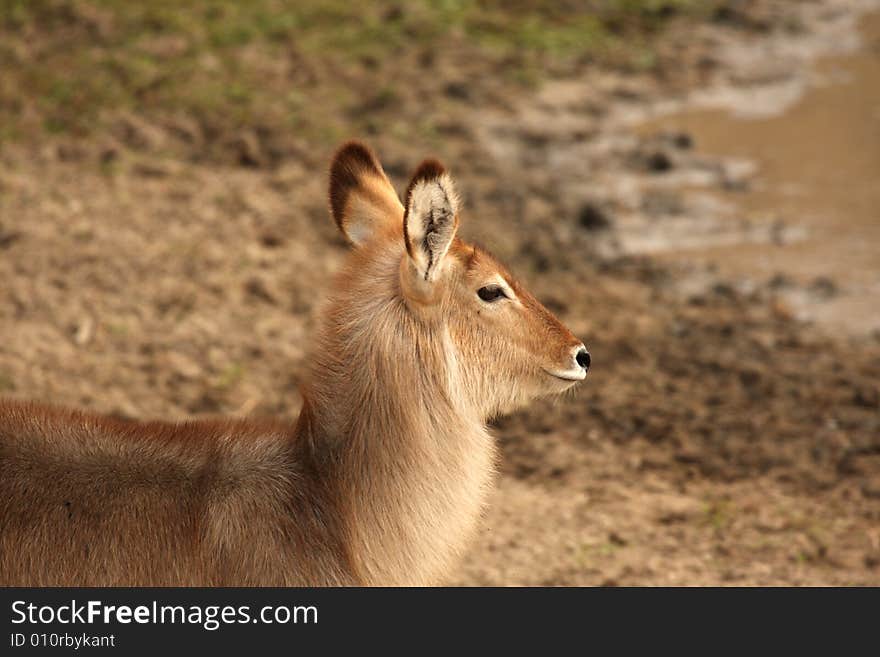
(720, 438)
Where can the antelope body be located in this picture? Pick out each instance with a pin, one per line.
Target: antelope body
(382, 479)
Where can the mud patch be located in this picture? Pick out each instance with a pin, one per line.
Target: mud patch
(817, 169)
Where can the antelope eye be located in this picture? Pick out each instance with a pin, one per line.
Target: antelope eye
(491, 293)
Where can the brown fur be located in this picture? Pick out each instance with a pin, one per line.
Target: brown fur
(382, 479)
(360, 193)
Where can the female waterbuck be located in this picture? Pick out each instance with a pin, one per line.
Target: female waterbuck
(382, 478)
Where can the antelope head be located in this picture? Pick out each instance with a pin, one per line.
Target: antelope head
(461, 314)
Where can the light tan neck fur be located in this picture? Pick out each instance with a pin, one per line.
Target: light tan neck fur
(415, 459)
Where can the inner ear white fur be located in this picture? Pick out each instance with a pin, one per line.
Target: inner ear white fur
(431, 223)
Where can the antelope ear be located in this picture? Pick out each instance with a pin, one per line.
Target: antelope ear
(362, 200)
(431, 218)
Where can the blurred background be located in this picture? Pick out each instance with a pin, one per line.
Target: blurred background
(691, 186)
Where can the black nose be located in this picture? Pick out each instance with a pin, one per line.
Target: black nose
(583, 358)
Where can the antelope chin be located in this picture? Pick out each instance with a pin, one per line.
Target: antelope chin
(571, 376)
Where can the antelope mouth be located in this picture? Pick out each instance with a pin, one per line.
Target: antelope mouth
(571, 376)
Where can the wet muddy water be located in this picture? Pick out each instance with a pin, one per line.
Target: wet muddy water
(818, 176)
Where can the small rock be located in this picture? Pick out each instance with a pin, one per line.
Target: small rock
(677, 508)
(592, 217)
(725, 290)
(682, 140)
(737, 174)
(108, 153)
(658, 162)
(271, 240)
(688, 457)
(457, 90)
(248, 149)
(8, 237)
(866, 396)
(780, 282)
(84, 331)
(256, 287)
(151, 169)
(394, 13)
(749, 378)
(823, 288)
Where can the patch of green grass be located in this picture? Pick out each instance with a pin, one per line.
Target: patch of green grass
(718, 514)
(119, 329)
(276, 64)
